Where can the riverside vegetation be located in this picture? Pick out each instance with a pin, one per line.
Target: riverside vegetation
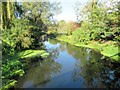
(25, 25)
(98, 29)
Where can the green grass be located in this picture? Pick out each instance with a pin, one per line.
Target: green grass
(111, 51)
(33, 54)
(108, 50)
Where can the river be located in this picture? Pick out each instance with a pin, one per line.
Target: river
(71, 67)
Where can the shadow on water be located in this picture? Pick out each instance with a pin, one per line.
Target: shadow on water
(71, 67)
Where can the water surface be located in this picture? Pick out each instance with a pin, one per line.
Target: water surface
(71, 67)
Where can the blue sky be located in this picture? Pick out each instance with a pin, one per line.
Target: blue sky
(68, 12)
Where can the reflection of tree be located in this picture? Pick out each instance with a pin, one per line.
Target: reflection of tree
(42, 72)
(96, 72)
(111, 74)
(47, 68)
(76, 71)
(52, 41)
(90, 72)
(62, 47)
(54, 53)
(76, 52)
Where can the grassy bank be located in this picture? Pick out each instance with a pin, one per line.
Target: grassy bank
(107, 49)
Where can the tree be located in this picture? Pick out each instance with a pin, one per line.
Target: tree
(7, 14)
(102, 20)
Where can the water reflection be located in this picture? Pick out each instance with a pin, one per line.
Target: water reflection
(96, 72)
(73, 67)
(39, 74)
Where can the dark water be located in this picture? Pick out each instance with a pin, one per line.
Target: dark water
(71, 67)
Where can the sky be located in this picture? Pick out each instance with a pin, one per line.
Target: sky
(68, 12)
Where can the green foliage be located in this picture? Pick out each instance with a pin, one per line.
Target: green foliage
(10, 84)
(18, 37)
(101, 22)
(111, 51)
(21, 35)
(22, 30)
(42, 10)
(11, 69)
(61, 27)
(98, 23)
(44, 55)
(33, 54)
(66, 27)
(82, 34)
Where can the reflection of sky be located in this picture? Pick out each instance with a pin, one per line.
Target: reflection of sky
(64, 79)
(65, 59)
(71, 74)
(51, 46)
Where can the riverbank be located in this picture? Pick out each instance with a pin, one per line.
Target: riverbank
(19, 59)
(107, 49)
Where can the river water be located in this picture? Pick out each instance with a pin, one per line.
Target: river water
(71, 67)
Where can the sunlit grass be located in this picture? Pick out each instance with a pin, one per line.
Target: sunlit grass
(108, 50)
(33, 53)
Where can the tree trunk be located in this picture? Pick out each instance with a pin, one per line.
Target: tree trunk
(7, 14)
(4, 15)
(8, 10)
(1, 23)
